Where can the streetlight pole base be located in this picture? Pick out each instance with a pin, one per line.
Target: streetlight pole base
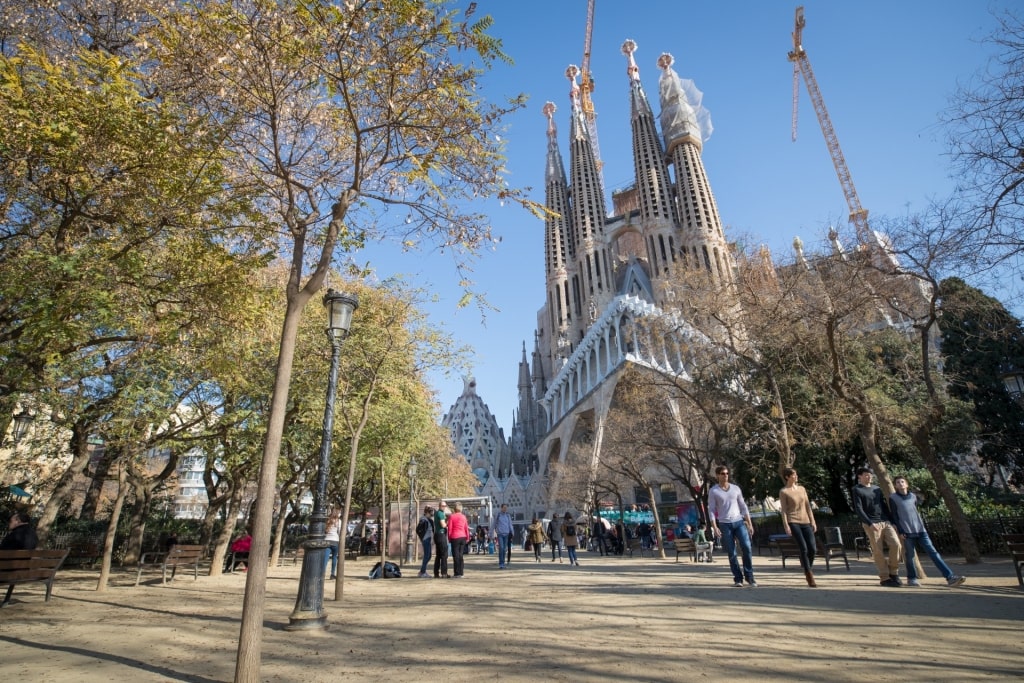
(309, 605)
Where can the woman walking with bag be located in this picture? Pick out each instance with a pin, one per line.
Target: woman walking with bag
(535, 534)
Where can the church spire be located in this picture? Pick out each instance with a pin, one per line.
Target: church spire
(591, 284)
(557, 231)
(653, 183)
(686, 125)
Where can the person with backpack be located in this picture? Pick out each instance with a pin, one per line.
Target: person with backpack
(555, 534)
(425, 532)
(569, 535)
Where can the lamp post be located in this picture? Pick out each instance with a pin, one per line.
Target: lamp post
(412, 505)
(309, 605)
(19, 424)
(1013, 380)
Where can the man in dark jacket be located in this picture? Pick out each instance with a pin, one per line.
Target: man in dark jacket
(873, 512)
(20, 534)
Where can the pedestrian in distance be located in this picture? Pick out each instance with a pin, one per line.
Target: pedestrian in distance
(425, 532)
(239, 550)
(908, 521)
(570, 538)
(705, 548)
(731, 518)
(441, 542)
(536, 536)
(876, 519)
(458, 538)
(555, 534)
(332, 536)
(503, 535)
(798, 521)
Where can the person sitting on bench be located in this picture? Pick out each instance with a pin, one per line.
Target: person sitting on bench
(20, 534)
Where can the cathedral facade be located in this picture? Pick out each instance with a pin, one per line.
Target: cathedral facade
(604, 270)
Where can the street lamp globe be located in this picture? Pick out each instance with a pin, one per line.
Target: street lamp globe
(22, 419)
(1013, 380)
(340, 307)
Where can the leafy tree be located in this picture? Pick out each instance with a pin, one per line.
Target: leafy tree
(350, 122)
(981, 340)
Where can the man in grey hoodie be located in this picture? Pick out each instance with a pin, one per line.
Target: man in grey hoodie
(903, 507)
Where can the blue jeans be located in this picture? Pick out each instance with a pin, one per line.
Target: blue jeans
(572, 554)
(427, 544)
(331, 557)
(504, 549)
(910, 542)
(731, 533)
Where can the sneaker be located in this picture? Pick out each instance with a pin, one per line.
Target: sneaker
(738, 584)
(895, 579)
(753, 584)
(889, 583)
(913, 583)
(955, 580)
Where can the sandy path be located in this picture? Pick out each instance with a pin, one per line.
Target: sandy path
(610, 619)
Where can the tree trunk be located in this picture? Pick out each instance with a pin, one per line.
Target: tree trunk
(111, 535)
(279, 529)
(137, 521)
(220, 547)
(62, 491)
(247, 661)
(968, 545)
(99, 478)
(657, 521)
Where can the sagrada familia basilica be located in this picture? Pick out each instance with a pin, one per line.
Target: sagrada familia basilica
(602, 270)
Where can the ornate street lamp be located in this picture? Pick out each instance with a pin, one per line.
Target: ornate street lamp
(309, 605)
(1013, 380)
(20, 422)
(412, 509)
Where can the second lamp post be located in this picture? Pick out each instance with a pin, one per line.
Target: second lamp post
(309, 605)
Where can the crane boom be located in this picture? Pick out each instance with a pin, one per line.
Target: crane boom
(586, 87)
(801, 63)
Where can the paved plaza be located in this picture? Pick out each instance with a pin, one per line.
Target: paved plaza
(611, 619)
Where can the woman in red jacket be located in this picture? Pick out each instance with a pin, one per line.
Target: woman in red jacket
(458, 537)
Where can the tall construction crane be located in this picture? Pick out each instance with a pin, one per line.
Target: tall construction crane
(802, 65)
(587, 87)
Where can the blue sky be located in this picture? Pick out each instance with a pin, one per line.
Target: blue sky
(886, 70)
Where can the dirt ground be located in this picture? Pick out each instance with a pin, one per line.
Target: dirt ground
(611, 619)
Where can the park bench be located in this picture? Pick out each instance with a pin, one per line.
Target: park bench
(235, 558)
(636, 545)
(295, 556)
(178, 556)
(22, 566)
(1015, 544)
(828, 549)
(84, 553)
(686, 546)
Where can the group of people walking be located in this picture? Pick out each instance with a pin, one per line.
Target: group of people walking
(896, 523)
